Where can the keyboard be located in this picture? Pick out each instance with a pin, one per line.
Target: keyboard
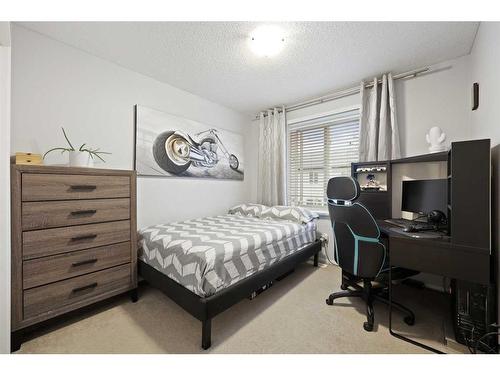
(399, 222)
(419, 225)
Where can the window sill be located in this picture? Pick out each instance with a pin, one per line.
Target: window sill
(322, 214)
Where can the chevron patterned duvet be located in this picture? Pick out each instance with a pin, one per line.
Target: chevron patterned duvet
(209, 254)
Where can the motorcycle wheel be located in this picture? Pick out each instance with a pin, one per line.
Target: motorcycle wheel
(171, 152)
(233, 162)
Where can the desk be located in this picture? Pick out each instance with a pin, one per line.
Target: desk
(432, 255)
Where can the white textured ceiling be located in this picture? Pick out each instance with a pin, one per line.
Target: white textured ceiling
(212, 59)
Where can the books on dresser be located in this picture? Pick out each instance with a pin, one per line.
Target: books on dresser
(73, 240)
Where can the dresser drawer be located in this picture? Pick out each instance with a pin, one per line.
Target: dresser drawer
(63, 293)
(40, 215)
(47, 270)
(49, 187)
(45, 242)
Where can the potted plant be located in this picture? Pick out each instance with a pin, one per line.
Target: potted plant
(81, 157)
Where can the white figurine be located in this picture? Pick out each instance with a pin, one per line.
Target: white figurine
(435, 138)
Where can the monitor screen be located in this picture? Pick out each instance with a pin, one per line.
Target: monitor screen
(424, 196)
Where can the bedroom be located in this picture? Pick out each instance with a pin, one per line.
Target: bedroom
(198, 169)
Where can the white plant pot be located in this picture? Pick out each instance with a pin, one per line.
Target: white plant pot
(80, 159)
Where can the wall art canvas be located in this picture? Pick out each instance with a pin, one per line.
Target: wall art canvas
(172, 146)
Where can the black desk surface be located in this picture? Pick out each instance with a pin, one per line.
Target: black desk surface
(386, 229)
(438, 256)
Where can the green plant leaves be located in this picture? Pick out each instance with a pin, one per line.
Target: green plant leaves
(92, 152)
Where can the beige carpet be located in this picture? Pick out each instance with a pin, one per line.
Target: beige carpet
(291, 317)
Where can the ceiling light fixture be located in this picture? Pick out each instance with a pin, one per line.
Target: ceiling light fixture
(267, 40)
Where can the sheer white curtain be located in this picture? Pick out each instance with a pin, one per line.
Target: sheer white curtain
(272, 166)
(379, 135)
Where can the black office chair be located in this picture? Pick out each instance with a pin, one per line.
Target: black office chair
(359, 250)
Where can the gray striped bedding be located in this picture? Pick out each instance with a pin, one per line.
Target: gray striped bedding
(209, 254)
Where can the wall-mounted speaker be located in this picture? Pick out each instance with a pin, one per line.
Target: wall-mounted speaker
(475, 96)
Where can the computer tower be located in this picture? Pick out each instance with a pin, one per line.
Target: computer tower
(474, 310)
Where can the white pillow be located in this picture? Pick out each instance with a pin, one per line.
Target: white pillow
(248, 209)
(297, 214)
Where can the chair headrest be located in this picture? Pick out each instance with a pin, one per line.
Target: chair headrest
(343, 188)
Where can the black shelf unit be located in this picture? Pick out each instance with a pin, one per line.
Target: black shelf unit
(469, 190)
(469, 223)
(469, 229)
(379, 202)
(426, 158)
(469, 176)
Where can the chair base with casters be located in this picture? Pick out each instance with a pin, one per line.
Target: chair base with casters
(369, 293)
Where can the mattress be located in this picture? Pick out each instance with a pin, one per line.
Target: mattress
(209, 254)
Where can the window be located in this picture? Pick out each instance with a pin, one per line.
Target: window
(319, 149)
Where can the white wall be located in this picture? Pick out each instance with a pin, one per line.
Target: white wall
(4, 187)
(56, 85)
(440, 98)
(485, 63)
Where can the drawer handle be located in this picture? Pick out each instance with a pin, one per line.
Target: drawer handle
(82, 288)
(83, 187)
(83, 212)
(83, 262)
(84, 237)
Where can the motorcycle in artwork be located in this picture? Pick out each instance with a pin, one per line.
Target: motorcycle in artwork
(173, 146)
(175, 151)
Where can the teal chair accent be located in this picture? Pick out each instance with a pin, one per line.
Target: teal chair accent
(359, 249)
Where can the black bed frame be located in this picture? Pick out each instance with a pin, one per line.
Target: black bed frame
(204, 309)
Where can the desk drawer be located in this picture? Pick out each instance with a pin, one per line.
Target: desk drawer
(40, 243)
(54, 296)
(49, 187)
(40, 215)
(47, 270)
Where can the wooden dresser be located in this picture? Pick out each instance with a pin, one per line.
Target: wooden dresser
(73, 240)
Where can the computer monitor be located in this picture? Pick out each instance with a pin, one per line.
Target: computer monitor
(424, 196)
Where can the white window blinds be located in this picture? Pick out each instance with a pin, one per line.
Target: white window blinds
(319, 149)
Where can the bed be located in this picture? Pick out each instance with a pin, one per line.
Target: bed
(208, 264)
